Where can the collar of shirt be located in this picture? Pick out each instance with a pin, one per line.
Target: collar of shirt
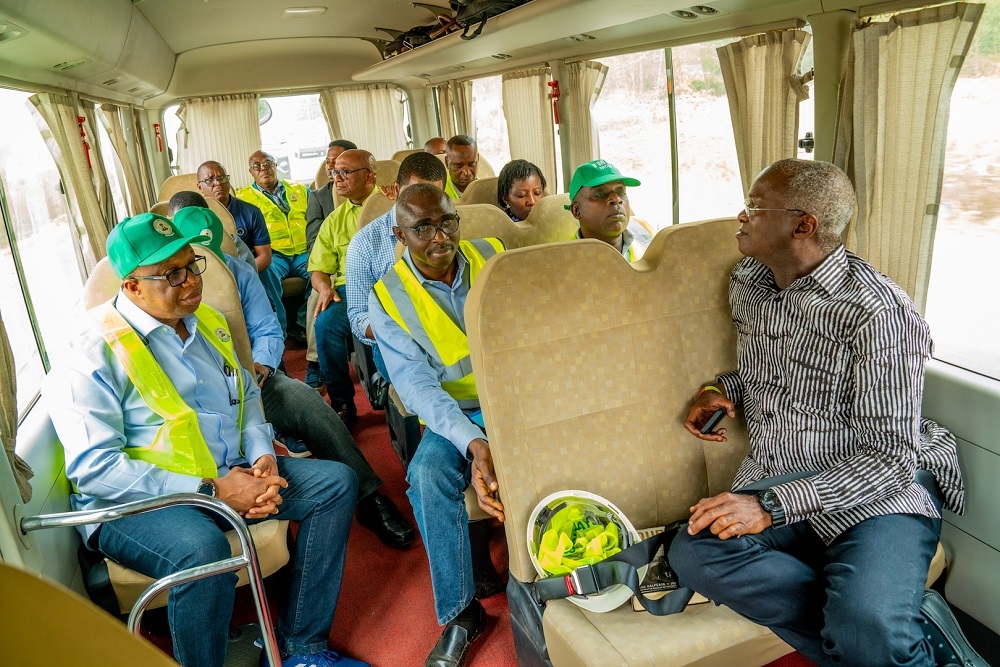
(627, 238)
(144, 323)
(427, 281)
(829, 275)
(278, 197)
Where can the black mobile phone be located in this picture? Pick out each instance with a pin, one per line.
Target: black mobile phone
(260, 376)
(713, 421)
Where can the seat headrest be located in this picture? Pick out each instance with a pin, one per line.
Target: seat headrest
(175, 184)
(481, 191)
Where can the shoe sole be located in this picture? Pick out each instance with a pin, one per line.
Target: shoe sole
(298, 455)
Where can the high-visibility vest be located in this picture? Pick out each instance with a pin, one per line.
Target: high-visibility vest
(408, 303)
(179, 445)
(288, 231)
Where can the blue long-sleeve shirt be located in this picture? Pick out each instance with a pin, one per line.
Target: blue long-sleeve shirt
(266, 342)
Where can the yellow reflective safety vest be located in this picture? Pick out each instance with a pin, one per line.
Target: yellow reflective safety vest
(179, 445)
(408, 303)
(288, 231)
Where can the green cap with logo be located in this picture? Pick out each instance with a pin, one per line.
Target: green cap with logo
(194, 221)
(143, 240)
(594, 173)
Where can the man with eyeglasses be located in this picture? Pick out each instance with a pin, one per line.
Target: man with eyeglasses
(203, 431)
(417, 313)
(284, 205)
(830, 365)
(599, 201)
(354, 177)
(213, 181)
(462, 161)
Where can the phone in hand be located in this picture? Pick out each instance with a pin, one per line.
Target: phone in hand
(260, 378)
(713, 421)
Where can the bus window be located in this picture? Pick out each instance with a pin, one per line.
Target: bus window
(171, 125)
(296, 135)
(490, 123)
(112, 168)
(962, 296)
(40, 260)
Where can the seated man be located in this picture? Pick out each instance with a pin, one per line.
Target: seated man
(354, 178)
(284, 205)
(462, 161)
(185, 198)
(436, 146)
(119, 448)
(599, 201)
(372, 250)
(321, 201)
(425, 349)
(213, 181)
(291, 406)
(830, 375)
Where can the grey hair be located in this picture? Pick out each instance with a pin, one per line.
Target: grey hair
(819, 188)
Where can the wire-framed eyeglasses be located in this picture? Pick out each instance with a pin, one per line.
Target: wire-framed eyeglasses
(177, 277)
(266, 164)
(749, 208)
(344, 173)
(221, 180)
(448, 225)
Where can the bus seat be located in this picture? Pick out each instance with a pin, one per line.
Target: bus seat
(481, 191)
(322, 177)
(175, 184)
(39, 612)
(399, 155)
(550, 213)
(385, 175)
(160, 208)
(374, 207)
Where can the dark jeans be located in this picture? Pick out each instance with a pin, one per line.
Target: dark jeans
(321, 495)
(333, 335)
(854, 602)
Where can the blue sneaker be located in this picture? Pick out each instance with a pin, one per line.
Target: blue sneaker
(296, 448)
(313, 377)
(321, 659)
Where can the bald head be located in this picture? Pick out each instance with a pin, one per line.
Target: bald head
(819, 188)
(354, 175)
(264, 169)
(415, 201)
(436, 146)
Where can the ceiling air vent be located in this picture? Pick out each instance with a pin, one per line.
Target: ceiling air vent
(704, 10)
(582, 37)
(69, 64)
(502, 56)
(696, 12)
(10, 32)
(684, 14)
(111, 82)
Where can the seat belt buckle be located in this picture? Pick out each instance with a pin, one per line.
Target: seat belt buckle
(582, 581)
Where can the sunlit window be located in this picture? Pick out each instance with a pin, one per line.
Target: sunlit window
(296, 135)
(491, 125)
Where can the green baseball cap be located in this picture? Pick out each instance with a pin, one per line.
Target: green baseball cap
(594, 173)
(194, 220)
(142, 240)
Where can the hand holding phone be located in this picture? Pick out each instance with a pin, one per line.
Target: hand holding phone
(713, 421)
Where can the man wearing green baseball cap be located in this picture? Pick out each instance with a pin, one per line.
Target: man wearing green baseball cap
(151, 400)
(599, 201)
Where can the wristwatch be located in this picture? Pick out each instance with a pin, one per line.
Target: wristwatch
(771, 504)
(207, 488)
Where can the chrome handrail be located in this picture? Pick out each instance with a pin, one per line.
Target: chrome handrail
(247, 559)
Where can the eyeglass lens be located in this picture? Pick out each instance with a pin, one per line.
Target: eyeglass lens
(266, 164)
(179, 276)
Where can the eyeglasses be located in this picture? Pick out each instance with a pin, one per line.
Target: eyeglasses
(749, 208)
(221, 180)
(427, 232)
(177, 277)
(344, 173)
(266, 164)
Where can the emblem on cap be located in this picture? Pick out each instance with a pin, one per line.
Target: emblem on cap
(222, 335)
(163, 227)
(207, 232)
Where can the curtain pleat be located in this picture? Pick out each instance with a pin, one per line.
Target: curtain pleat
(584, 81)
(224, 128)
(370, 116)
(112, 117)
(892, 133)
(8, 416)
(761, 73)
(455, 108)
(528, 110)
(142, 154)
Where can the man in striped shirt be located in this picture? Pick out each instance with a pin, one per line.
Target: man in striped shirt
(830, 378)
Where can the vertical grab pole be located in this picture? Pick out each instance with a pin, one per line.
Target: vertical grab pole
(675, 178)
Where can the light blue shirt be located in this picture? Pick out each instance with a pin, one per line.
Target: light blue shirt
(96, 409)
(370, 254)
(266, 342)
(277, 197)
(416, 376)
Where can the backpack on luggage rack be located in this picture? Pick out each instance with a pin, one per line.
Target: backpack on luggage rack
(470, 12)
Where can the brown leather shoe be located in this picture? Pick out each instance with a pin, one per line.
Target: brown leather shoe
(454, 643)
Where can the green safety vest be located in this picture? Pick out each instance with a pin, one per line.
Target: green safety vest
(179, 445)
(408, 303)
(288, 231)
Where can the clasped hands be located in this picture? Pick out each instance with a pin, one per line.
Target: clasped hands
(253, 492)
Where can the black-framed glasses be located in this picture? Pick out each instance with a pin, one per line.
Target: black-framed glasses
(426, 232)
(344, 173)
(177, 277)
(749, 208)
(222, 180)
(266, 164)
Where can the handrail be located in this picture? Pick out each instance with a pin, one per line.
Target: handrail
(247, 559)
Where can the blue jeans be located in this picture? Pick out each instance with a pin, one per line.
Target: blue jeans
(380, 363)
(333, 336)
(321, 495)
(284, 266)
(438, 476)
(854, 602)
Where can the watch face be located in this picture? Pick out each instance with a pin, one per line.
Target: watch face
(769, 500)
(207, 489)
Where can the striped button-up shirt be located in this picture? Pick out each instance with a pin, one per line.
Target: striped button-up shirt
(370, 254)
(830, 379)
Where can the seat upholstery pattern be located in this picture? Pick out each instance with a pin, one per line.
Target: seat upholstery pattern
(374, 207)
(481, 191)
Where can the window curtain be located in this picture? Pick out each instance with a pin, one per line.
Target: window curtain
(57, 121)
(142, 154)
(101, 179)
(8, 416)
(763, 83)
(224, 128)
(370, 116)
(892, 132)
(584, 81)
(112, 116)
(528, 110)
(455, 108)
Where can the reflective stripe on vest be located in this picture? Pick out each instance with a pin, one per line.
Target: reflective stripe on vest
(411, 307)
(288, 232)
(179, 445)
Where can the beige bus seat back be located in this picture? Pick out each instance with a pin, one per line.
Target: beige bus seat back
(481, 191)
(584, 380)
(385, 175)
(160, 208)
(322, 177)
(398, 156)
(175, 184)
(376, 206)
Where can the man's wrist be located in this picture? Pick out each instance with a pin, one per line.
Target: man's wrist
(771, 503)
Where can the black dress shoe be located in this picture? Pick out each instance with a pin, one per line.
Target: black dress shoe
(379, 515)
(938, 623)
(456, 639)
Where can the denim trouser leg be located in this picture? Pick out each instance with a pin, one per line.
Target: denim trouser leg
(380, 363)
(333, 333)
(438, 476)
(295, 408)
(284, 266)
(854, 602)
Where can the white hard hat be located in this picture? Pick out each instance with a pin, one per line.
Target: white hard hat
(605, 518)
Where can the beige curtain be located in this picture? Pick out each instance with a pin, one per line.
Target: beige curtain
(142, 154)
(102, 181)
(223, 128)
(455, 108)
(8, 416)
(528, 110)
(892, 133)
(57, 121)
(763, 83)
(112, 117)
(584, 81)
(371, 116)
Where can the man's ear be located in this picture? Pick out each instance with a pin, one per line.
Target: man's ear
(805, 227)
(574, 208)
(398, 233)
(131, 287)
